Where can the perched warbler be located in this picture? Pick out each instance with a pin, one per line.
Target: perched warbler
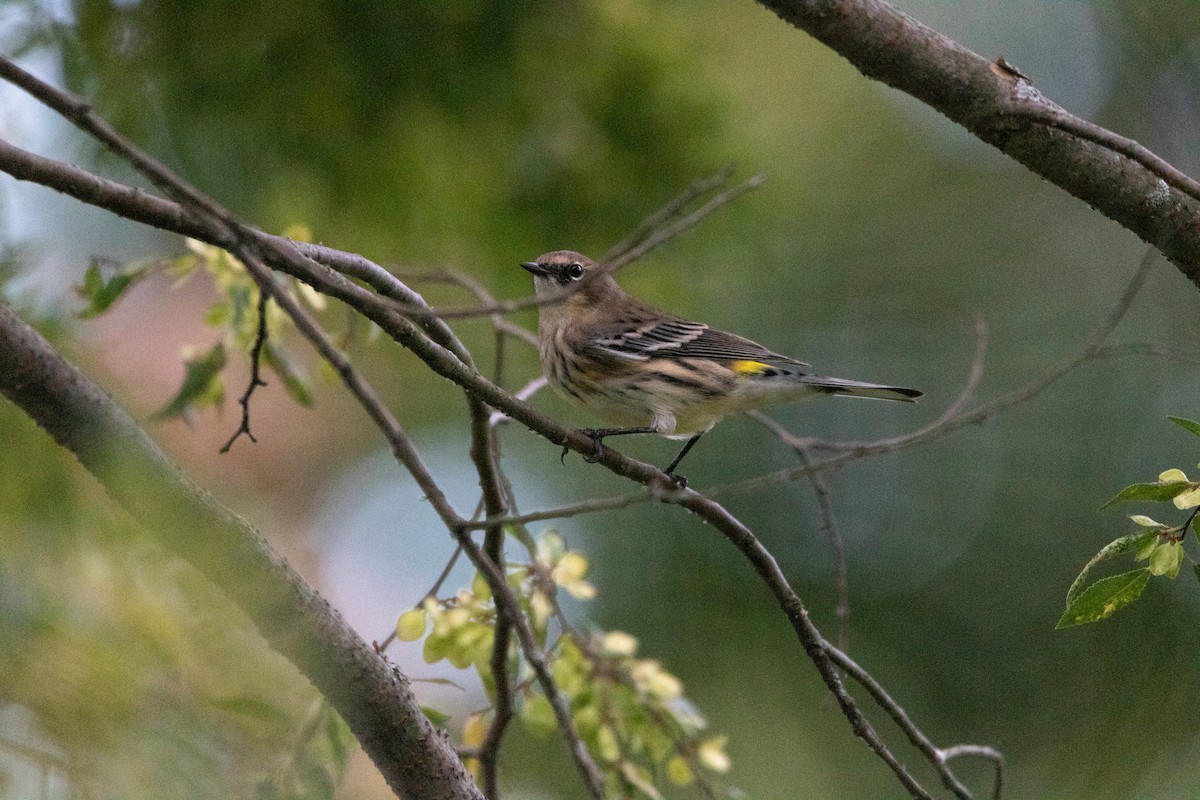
(648, 371)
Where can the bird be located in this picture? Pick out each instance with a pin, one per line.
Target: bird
(644, 370)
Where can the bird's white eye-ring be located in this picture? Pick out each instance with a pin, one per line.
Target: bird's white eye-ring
(575, 271)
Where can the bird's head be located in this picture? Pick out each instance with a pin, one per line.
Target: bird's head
(561, 269)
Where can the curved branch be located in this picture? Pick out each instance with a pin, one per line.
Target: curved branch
(1117, 176)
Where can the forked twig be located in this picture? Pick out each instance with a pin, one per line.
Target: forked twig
(256, 380)
(936, 756)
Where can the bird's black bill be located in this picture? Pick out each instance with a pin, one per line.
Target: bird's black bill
(535, 267)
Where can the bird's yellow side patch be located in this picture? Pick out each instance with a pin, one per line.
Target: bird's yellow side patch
(749, 367)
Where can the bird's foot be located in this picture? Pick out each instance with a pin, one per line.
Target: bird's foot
(597, 438)
(679, 481)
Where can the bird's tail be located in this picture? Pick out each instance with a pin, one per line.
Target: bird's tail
(824, 383)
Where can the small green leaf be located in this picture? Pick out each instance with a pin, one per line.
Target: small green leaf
(1186, 424)
(607, 746)
(1104, 597)
(101, 294)
(434, 649)
(1147, 549)
(640, 779)
(201, 385)
(480, 588)
(1149, 492)
(1144, 521)
(218, 315)
(679, 772)
(411, 625)
(438, 718)
(1125, 544)
(182, 267)
(538, 715)
(242, 321)
(1188, 499)
(1166, 559)
(294, 380)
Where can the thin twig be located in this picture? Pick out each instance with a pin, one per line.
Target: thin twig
(432, 593)
(524, 393)
(484, 451)
(1167, 352)
(673, 209)
(980, 751)
(592, 506)
(849, 451)
(827, 524)
(658, 238)
(255, 378)
(683, 224)
(916, 736)
(485, 455)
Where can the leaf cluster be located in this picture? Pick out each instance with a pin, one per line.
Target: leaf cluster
(1158, 544)
(630, 712)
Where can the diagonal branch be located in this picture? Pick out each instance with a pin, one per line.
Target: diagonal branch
(1118, 177)
(373, 697)
(251, 250)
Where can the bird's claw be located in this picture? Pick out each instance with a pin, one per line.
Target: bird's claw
(679, 481)
(596, 440)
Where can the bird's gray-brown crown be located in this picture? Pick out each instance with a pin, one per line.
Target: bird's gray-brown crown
(560, 269)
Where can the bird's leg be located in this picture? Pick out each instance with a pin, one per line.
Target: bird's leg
(597, 435)
(670, 470)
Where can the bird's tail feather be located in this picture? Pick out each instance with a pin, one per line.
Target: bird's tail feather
(860, 389)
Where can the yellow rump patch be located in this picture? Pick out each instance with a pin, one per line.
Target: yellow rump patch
(749, 367)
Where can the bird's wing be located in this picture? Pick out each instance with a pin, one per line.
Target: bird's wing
(675, 338)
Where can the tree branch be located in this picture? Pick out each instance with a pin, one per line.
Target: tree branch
(373, 697)
(1118, 177)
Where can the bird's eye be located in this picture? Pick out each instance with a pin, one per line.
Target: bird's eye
(575, 271)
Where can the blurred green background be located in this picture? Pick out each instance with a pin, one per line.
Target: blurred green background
(477, 135)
